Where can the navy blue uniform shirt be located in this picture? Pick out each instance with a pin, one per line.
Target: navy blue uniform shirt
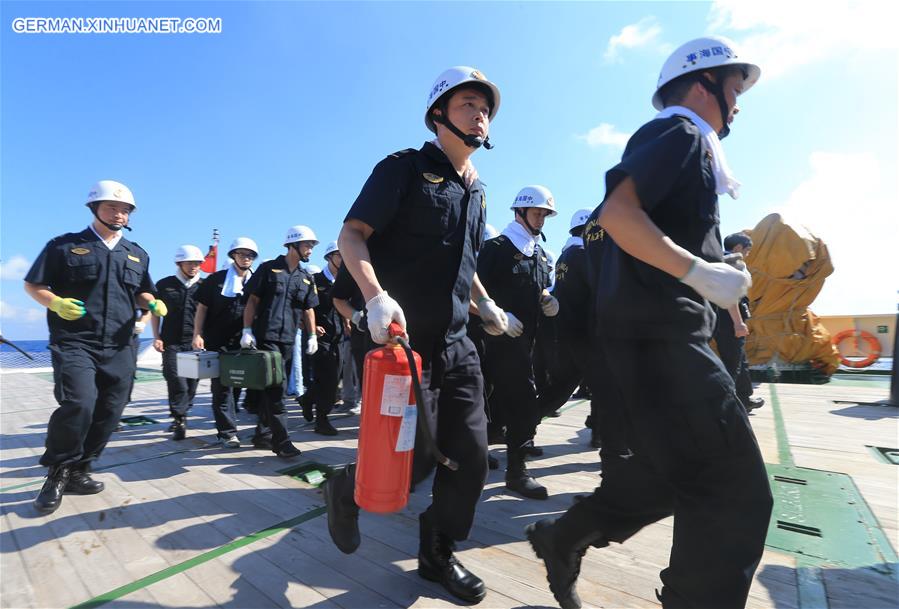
(283, 296)
(80, 266)
(572, 289)
(514, 281)
(326, 315)
(428, 227)
(224, 314)
(672, 173)
(181, 301)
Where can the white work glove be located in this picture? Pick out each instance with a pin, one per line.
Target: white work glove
(381, 310)
(312, 345)
(718, 282)
(736, 261)
(247, 340)
(357, 318)
(550, 305)
(494, 318)
(516, 328)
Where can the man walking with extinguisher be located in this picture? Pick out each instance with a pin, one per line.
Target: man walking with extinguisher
(410, 241)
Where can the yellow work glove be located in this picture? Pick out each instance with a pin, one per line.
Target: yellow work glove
(69, 309)
(158, 308)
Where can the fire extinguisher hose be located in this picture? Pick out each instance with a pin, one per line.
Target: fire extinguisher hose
(420, 404)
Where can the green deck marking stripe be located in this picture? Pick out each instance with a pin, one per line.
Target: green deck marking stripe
(149, 580)
(785, 457)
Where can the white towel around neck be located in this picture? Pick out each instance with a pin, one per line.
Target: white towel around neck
(234, 283)
(524, 241)
(185, 280)
(725, 182)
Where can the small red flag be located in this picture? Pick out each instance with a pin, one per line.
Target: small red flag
(208, 265)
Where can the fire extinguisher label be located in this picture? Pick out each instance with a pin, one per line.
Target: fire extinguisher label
(405, 440)
(395, 395)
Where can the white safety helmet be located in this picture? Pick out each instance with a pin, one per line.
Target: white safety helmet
(110, 190)
(454, 78)
(535, 196)
(331, 248)
(243, 243)
(704, 54)
(189, 253)
(298, 233)
(490, 232)
(579, 218)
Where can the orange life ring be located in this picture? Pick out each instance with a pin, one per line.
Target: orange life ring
(873, 343)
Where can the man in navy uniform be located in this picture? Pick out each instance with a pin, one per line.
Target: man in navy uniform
(731, 330)
(91, 283)
(515, 271)
(410, 241)
(179, 292)
(661, 273)
(572, 289)
(279, 293)
(218, 321)
(331, 331)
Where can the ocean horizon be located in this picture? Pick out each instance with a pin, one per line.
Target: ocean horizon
(10, 358)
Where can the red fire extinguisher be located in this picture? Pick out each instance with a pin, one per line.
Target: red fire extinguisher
(392, 403)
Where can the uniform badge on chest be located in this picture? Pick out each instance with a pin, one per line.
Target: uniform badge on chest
(433, 178)
(80, 251)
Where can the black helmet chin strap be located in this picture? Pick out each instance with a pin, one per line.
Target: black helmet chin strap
(296, 246)
(472, 141)
(522, 212)
(717, 89)
(112, 227)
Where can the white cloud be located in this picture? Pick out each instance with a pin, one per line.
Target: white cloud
(638, 34)
(848, 202)
(14, 268)
(22, 314)
(605, 135)
(783, 36)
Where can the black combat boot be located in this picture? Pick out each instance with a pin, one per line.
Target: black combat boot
(305, 401)
(519, 480)
(179, 429)
(343, 513)
(80, 481)
(323, 425)
(437, 563)
(50, 497)
(562, 546)
(530, 450)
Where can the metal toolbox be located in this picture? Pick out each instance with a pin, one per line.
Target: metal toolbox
(198, 364)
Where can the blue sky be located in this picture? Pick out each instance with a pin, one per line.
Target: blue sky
(279, 119)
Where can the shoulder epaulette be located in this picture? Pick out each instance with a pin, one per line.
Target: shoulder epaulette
(401, 153)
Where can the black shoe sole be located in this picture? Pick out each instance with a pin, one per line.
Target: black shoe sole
(290, 455)
(93, 492)
(328, 494)
(530, 532)
(431, 576)
(46, 511)
(540, 496)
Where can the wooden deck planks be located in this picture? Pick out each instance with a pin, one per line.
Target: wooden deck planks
(159, 511)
